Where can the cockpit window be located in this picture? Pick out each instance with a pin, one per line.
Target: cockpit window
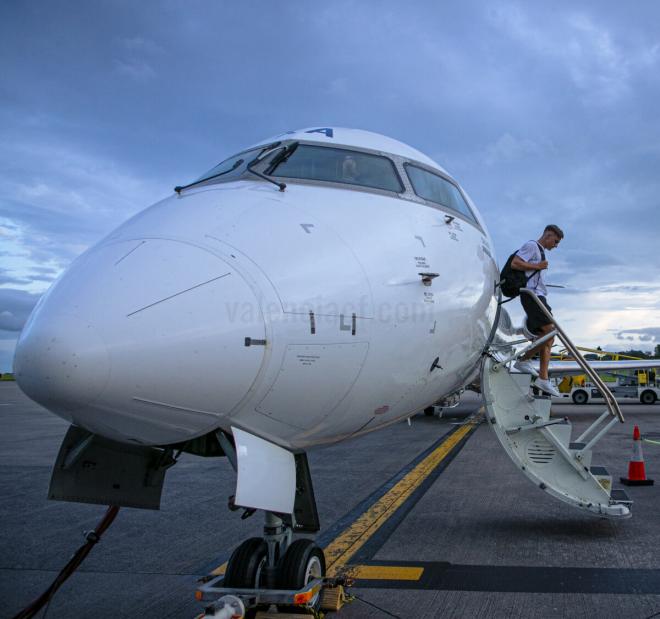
(435, 188)
(339, 165)
(234, 166)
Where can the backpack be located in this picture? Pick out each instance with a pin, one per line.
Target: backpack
(512, 280)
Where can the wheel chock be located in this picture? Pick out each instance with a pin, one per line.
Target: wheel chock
(333, 597)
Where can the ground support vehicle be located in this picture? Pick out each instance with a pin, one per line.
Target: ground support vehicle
(646, 394)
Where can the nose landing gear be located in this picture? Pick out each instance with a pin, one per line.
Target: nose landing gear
(272, 570)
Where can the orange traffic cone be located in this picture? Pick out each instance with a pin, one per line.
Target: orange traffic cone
(636, 471)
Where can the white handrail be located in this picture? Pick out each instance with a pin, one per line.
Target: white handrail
(610, 400)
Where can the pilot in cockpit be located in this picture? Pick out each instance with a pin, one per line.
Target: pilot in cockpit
(349, 169)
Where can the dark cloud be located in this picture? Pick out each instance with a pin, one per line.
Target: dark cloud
(631, 288)
(15, 307)
(7, 278)
(42, 278)
(41, 270)
(7, 346)
(544, 113)
(644, 334)
(43, 274)
(66, 202)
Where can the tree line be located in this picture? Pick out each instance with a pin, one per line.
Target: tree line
(642, 354)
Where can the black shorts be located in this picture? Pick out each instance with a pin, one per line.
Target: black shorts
(535, 317)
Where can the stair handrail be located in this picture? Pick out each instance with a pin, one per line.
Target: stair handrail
(610, 400)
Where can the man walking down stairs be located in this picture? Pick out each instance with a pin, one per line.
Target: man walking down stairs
(531, 259)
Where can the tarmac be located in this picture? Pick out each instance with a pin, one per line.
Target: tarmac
(489, 543)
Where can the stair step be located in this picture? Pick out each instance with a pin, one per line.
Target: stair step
(542, 448)
(515, 370)
(537, 425)
(538, 394)
(522, 380)
(603, 477)
(620, 496)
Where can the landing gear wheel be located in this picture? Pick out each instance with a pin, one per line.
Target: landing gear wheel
(303, 562)
(429, 411)
(580, 397)
(647, 397)
(246, 564)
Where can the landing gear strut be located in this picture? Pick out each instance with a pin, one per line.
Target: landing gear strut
(277, 537)
(273, 569)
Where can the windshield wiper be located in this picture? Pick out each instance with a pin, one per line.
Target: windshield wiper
(283, 155)
(237, 164)
(282, 186)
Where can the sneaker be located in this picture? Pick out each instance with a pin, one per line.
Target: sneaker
(526, 367)
(547, 386)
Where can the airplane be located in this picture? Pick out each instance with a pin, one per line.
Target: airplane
(316, 286)
(570, 367)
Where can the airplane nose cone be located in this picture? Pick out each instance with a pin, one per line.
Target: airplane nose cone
(145, 341)
(61, 362)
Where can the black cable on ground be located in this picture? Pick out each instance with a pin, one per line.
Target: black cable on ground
(382, 610)
(92, 538)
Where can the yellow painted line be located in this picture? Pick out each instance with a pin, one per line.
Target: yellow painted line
(347, 543)
(339, 552)
(385, 572)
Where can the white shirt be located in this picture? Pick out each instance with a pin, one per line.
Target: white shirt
(530, 252)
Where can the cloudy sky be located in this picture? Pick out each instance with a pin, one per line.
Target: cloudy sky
(545, 112)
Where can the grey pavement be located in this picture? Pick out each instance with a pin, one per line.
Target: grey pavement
(480, 511)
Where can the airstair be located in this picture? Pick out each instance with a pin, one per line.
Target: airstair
(544, 447)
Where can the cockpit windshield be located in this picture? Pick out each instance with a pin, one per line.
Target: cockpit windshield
(435, 188)
(234, 166)
(228, 165)
(339, 165)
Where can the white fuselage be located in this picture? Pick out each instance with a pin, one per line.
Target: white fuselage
(143, 339)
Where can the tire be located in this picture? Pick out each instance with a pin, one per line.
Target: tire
(245, 565)
(580, 397)
(648, 397)
(303, 562)
(429, 411)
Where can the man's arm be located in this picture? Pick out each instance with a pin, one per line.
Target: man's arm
(520, 265)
